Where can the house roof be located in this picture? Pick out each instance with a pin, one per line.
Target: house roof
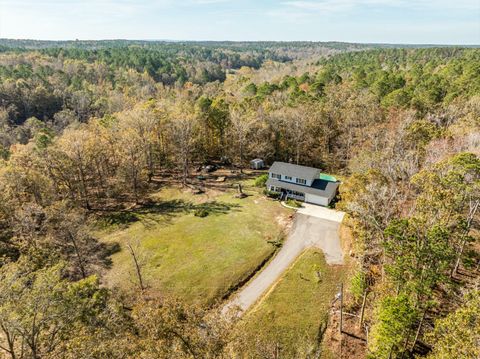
(288, 169)
(319, 187)
(326, 177)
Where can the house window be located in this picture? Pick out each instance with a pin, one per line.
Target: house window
(295, 194)
(301, 181)
(288, 178)
(274, 175)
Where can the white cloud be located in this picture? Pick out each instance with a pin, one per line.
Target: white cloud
(370, 20)
(326, 6)
(209, 2)
(338, 5)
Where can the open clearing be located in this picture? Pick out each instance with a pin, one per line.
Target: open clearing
(313, 226)
(198, 259)
(295, 308)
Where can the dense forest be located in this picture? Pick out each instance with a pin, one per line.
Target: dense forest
(88, 128)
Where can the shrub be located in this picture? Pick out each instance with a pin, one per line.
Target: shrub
(201, 212)
(270, 194)
(293, 203)
(260, 181)
(358, 285)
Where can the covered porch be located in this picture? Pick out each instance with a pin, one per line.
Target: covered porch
(287, 193)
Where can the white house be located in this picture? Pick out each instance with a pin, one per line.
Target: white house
(301, 183)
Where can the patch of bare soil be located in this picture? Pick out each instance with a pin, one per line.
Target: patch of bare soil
(350, 344)
(346, 238)
(285, 221)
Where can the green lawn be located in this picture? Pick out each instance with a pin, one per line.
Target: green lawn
(293, 311)
(195, 258)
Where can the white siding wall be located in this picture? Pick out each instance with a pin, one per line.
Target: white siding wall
(293, 180)
(257, 165)
(311, 198)
(309, 183)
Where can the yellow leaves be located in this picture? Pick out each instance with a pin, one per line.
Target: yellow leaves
(304, 87)
(447, 185)
(188, 85)
(458, 334)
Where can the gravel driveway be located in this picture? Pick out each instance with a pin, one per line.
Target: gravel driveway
(313, 226)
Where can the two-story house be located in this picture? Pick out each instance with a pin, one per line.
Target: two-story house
(301, 183)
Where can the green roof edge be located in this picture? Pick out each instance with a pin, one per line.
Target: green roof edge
(326, 177)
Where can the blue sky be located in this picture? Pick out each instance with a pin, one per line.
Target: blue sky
(392, 21)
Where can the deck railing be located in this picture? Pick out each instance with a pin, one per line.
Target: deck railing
(293, 196)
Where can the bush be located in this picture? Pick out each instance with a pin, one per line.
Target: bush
(201, 212)
(293, 203)
(270, 194)
(358, 285)
(260, 181)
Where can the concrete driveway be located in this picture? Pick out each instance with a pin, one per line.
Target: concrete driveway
(313, 226)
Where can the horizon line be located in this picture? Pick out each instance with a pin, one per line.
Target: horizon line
(249, 41)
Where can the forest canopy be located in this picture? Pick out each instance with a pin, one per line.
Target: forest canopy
(91, 129)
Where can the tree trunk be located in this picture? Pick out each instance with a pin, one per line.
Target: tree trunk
(341, 309)
(137, 267)
(471, 215)
(297, 157)
(277, 351)
(185, 170)
(135, 182)
(10, 342)
(241, 157)
(417, 334)
(84, 188)
(79, 256)
(362, 312)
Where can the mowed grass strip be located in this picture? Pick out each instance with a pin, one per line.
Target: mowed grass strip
(197, 259)
(294, 309)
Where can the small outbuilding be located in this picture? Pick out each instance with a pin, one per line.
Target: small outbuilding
(257, 164)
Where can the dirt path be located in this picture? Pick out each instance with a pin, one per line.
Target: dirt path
(313, 227)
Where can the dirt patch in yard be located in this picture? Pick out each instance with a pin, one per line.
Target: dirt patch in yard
(351, 344)
(285, 221)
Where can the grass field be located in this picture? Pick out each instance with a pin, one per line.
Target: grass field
(292, 313)
(195, 258)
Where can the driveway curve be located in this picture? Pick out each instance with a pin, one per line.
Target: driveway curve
(313, 226)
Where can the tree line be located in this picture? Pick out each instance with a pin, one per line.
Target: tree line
(85, 132)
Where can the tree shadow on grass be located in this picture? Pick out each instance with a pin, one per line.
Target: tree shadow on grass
(165, 211)
(152, 213)
(105, 252)
(215, 207)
